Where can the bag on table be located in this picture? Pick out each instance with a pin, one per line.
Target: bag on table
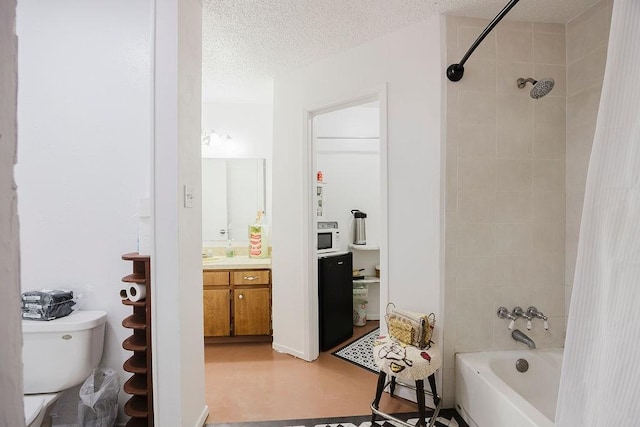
(410, 328)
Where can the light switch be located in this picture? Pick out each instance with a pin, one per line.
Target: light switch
(188, 196)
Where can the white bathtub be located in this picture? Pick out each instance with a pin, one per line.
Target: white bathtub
(490, 392)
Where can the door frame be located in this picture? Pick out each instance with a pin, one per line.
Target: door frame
(310, 292)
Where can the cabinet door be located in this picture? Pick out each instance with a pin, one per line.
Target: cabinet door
(217, 312)
(252, 311)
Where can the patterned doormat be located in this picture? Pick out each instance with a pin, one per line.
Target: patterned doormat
(360, 352)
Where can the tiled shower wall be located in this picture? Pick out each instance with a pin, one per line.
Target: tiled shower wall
(505, 211)
(587, 38)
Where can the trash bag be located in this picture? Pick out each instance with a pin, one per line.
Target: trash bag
(98, 405)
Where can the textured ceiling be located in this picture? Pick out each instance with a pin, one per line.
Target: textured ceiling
(247, 42)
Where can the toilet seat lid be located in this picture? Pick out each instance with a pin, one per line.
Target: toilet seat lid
(32, 407)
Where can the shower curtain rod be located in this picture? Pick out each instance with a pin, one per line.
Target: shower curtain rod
(456, 71)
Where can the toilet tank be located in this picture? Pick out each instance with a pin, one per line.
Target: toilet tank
(60, 354)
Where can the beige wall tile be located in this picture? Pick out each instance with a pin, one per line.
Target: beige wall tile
(476, 108)
(576, 177)
(479, 75)
(466, 37)
(588, 32)
(513, 207)
(514, 175)
(541, 27)
(580, 139)
(514, 46)
(448, 387)
(548, 269)
(509, 25)
(589, 13)
(575, 200)
(476, 206)
(474, 304)
(475, 272)
(473, 335)
(508, 74)
(549, 48)
(476, 174)
(550, 112)
(514, 271)
(548, 175)
(477, 141)
(548, 238)
(553, 338)
(549, 300)
(549, 142)
(515, 142)
(451, 196)
(587, 71)
(514, 111)
(582, 108)
(502, 339)
(476, 240)
(549, 207)
(513, 239)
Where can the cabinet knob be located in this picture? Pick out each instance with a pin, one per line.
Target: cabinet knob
(240, 296)
(250, 277)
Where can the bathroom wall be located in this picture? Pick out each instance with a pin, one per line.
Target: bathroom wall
(407, 63)
(11, 386)
(84, 125)
(505, 195)
(587, 38)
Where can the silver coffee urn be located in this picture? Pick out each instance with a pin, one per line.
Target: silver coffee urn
(359, 233)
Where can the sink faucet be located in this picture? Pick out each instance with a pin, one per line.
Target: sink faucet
(520, 336)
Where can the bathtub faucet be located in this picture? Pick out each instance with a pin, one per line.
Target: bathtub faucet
(520, 336)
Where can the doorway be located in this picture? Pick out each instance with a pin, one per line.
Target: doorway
(346, 138)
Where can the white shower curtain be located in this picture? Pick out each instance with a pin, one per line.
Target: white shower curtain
(600, 382)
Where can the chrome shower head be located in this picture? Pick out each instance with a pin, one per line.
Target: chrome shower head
(540, 87)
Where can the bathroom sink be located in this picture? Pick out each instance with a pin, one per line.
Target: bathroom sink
(212, 259)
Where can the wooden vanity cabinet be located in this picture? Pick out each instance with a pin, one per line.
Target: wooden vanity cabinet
(237, 305)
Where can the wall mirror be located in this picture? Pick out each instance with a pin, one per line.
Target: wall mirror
(233, 191)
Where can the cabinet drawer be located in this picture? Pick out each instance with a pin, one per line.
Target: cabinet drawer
(215, 278)
(251, 277)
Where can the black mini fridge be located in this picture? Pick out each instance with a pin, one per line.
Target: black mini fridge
(335, 296)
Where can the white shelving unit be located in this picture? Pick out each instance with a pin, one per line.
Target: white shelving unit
(370, 247)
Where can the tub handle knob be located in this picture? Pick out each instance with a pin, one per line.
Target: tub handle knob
(533, 312)
(503, 313)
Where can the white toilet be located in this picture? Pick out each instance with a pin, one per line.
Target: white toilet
(57, 355)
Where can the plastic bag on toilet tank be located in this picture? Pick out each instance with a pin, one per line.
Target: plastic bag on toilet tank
(98, 405)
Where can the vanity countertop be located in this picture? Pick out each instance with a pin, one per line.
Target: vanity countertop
(238, 262)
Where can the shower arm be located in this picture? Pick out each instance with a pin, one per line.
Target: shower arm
(456, 71)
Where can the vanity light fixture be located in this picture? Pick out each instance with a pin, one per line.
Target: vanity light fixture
(212, 137)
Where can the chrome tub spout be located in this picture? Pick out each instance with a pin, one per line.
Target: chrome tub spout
(520, 336)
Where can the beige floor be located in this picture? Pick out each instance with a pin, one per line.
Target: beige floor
(252, 382)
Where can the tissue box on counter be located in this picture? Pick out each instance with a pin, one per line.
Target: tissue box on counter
(47, 304)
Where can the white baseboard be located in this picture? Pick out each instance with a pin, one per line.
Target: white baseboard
(287, 350)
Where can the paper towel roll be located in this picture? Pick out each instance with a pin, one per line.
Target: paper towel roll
(123, 294)
(137, 292)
